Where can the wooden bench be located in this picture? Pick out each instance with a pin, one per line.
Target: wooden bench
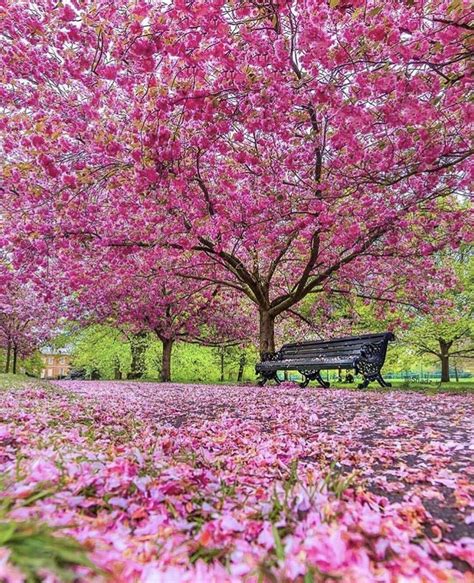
(365, 354)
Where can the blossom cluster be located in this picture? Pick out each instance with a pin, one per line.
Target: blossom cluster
(167, 483)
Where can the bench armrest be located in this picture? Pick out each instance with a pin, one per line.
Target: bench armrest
(371, 358)
(373, 352)
(266, 356)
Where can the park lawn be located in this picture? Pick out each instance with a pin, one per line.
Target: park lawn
(464, 386)
(10, 381)
(151, 482)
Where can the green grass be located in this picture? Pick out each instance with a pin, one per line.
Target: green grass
(464, 386)
(11, 381)
(8, 381)
(17, 381)
(424, 387)
(36, 547)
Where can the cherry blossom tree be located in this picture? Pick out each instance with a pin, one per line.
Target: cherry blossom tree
(25, 319)
(196, 313)
(126, 294)
(282, 149)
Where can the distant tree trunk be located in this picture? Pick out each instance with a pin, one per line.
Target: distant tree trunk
(166, 359)
(117, 371)
(222, 364)
(138, 346)
(267, 332)
(7, 363)
(456, 374)
(444, 357)
(242, 363)
(15, 356)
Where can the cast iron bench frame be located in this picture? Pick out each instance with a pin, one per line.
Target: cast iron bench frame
(365, 354)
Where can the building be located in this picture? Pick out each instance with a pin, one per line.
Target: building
(56, 362)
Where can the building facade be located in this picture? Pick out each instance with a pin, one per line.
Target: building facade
(56, 362)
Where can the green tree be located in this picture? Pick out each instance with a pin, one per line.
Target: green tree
(231, 358)
(447, 332)
(102, 348)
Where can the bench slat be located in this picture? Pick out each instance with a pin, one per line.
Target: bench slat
(324, 351)
(331, 346)
(349, 339)
(304, 365)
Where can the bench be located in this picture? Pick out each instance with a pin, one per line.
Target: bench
(365, 354)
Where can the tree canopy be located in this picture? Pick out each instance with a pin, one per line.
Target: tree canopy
(280, 149)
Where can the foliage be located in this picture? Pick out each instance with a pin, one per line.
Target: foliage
(463, 386)
(31, 364)
(230, 357)
(278, 150)
(99, 347)
(26, 318)
(36, 548)
(446, 332)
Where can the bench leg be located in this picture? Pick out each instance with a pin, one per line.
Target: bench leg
(264, 378)
(382, 382)
(320, 380)
(379, 378)
(305, 382)
(364, 384)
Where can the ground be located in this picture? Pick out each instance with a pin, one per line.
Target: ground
(224, 483)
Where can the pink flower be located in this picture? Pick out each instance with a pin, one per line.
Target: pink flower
(150, 174)
(265, 538)
(328, 553)
(42, 470)
(9, 573)
(68, 13)
(144, 48)
(37, 141)
(229, 524)
(370, 521)
(109, 72)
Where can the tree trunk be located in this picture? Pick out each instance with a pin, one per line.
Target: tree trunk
(117, 371)
(138, 346)
(445, 369)
(222, 365)
(15, 355)
(166, 359)
(242, 362)
(444, 357)
(456, 373)
(7, 363)
(267, 333)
